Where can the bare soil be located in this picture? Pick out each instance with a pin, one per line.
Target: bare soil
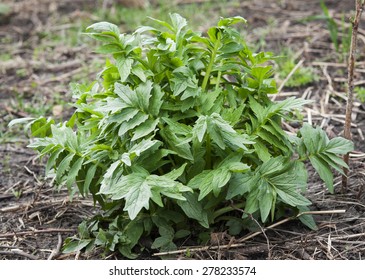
(35, 218)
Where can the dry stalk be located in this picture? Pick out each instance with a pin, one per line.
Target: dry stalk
(289, 76)
(351, 67)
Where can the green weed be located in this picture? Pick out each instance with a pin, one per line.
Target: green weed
(301, 77)
(176, 134)
(360, 92)
(340, 34)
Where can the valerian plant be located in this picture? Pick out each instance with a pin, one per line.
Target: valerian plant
(178, 133)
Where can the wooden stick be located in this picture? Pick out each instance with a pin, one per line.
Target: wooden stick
(37, 231)
(351, 67)
(55, 252)
(18, 252)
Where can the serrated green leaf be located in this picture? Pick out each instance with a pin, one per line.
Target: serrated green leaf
(291, 196)
(156, 197)
(109, 48)
(20, 121)
(232, 47)
(307, 219)
(139, 187)
(333, 161)
(182, 233)
(252, 202)
(274, 131)
(64, 166)
(274, 166)
(176, 173)
(200, 128)
(174, 144)
(261, 150)
(212, 33)
(124, 66)
(138, 197)
(107, 27)
(74, 170)
(208, 100)
(140, 73)
(127, 95)
(166, 185)
(213, 180)
(237, 167)
(113, 105)
(193, 209)
(144, 129)
(191, 93)
(271, 139)
(178, 22)
(277, 176)
(339, 145)
(238, 185)
(156, 100)
(89, 177)
(231, 20)
(123, 116)
(75, 246)
(210, 181)
(143, 146)
(163, 23)
(48, 149)
(132, 123)
(106, 38)
(143, 92)
(161, 241)
(65, 137)
(52, 159)
(313, 139)
(107, 183)
(178, 128)
(134, 231)
(234, 114)
(323, 170)
(265, 203)
(295, 173)
(41, 127)
(216, 129)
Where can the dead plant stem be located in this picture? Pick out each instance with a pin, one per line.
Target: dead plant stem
(351, 67)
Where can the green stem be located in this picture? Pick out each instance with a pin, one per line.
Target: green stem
(227, 209)
(208, 156)
(218, 80)
(210, 66)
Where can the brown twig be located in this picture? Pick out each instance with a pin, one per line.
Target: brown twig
(57, 250)
(261, 228)
(347, 129)
(37, 231)
(18, 252)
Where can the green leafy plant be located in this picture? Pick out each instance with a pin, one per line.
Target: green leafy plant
(177, 134)
(340, 34)
(301, 77)
(360, 92)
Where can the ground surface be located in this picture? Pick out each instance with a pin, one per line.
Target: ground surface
(41, 53)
